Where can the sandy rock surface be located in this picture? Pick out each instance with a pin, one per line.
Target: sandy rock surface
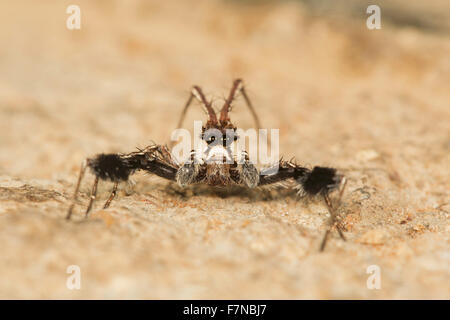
(374, 104)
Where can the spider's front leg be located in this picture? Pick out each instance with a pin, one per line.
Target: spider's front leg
(118, 168)
(320, 181)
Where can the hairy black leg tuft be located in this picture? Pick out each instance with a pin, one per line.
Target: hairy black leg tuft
(110, 167)
(320, 180)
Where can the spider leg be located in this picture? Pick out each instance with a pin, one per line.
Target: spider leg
(281, 172)
(77, 188)
(118, 167)
(183, 113)
(188, 172)
(113, 167)
(167, 156)
(238, 87)
(248, 174)
(250, 106)
(333, 215)
(197, 93)
(341, 192)
(112, 195)
(318, 181)
(333, 222)
(93, 196)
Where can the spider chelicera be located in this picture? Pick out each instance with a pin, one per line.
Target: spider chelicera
(216, 165)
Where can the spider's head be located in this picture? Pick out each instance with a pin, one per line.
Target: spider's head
(218, 138)
(219, 133)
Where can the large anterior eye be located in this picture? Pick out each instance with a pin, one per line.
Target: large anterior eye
(212, 136)
(228, 138)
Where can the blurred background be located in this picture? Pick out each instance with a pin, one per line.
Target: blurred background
(123, 78)
(374, 103)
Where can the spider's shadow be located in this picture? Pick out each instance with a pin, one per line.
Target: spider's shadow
(258, 194)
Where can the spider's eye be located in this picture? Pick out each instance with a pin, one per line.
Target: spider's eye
(210, 139)
(228, 139)
(212, 136)
(225, 140)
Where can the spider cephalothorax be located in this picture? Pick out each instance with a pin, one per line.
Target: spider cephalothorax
(214, 164)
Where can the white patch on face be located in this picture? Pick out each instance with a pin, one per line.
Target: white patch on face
(216, 154)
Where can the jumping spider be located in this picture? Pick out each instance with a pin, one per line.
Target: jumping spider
(209, 168)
